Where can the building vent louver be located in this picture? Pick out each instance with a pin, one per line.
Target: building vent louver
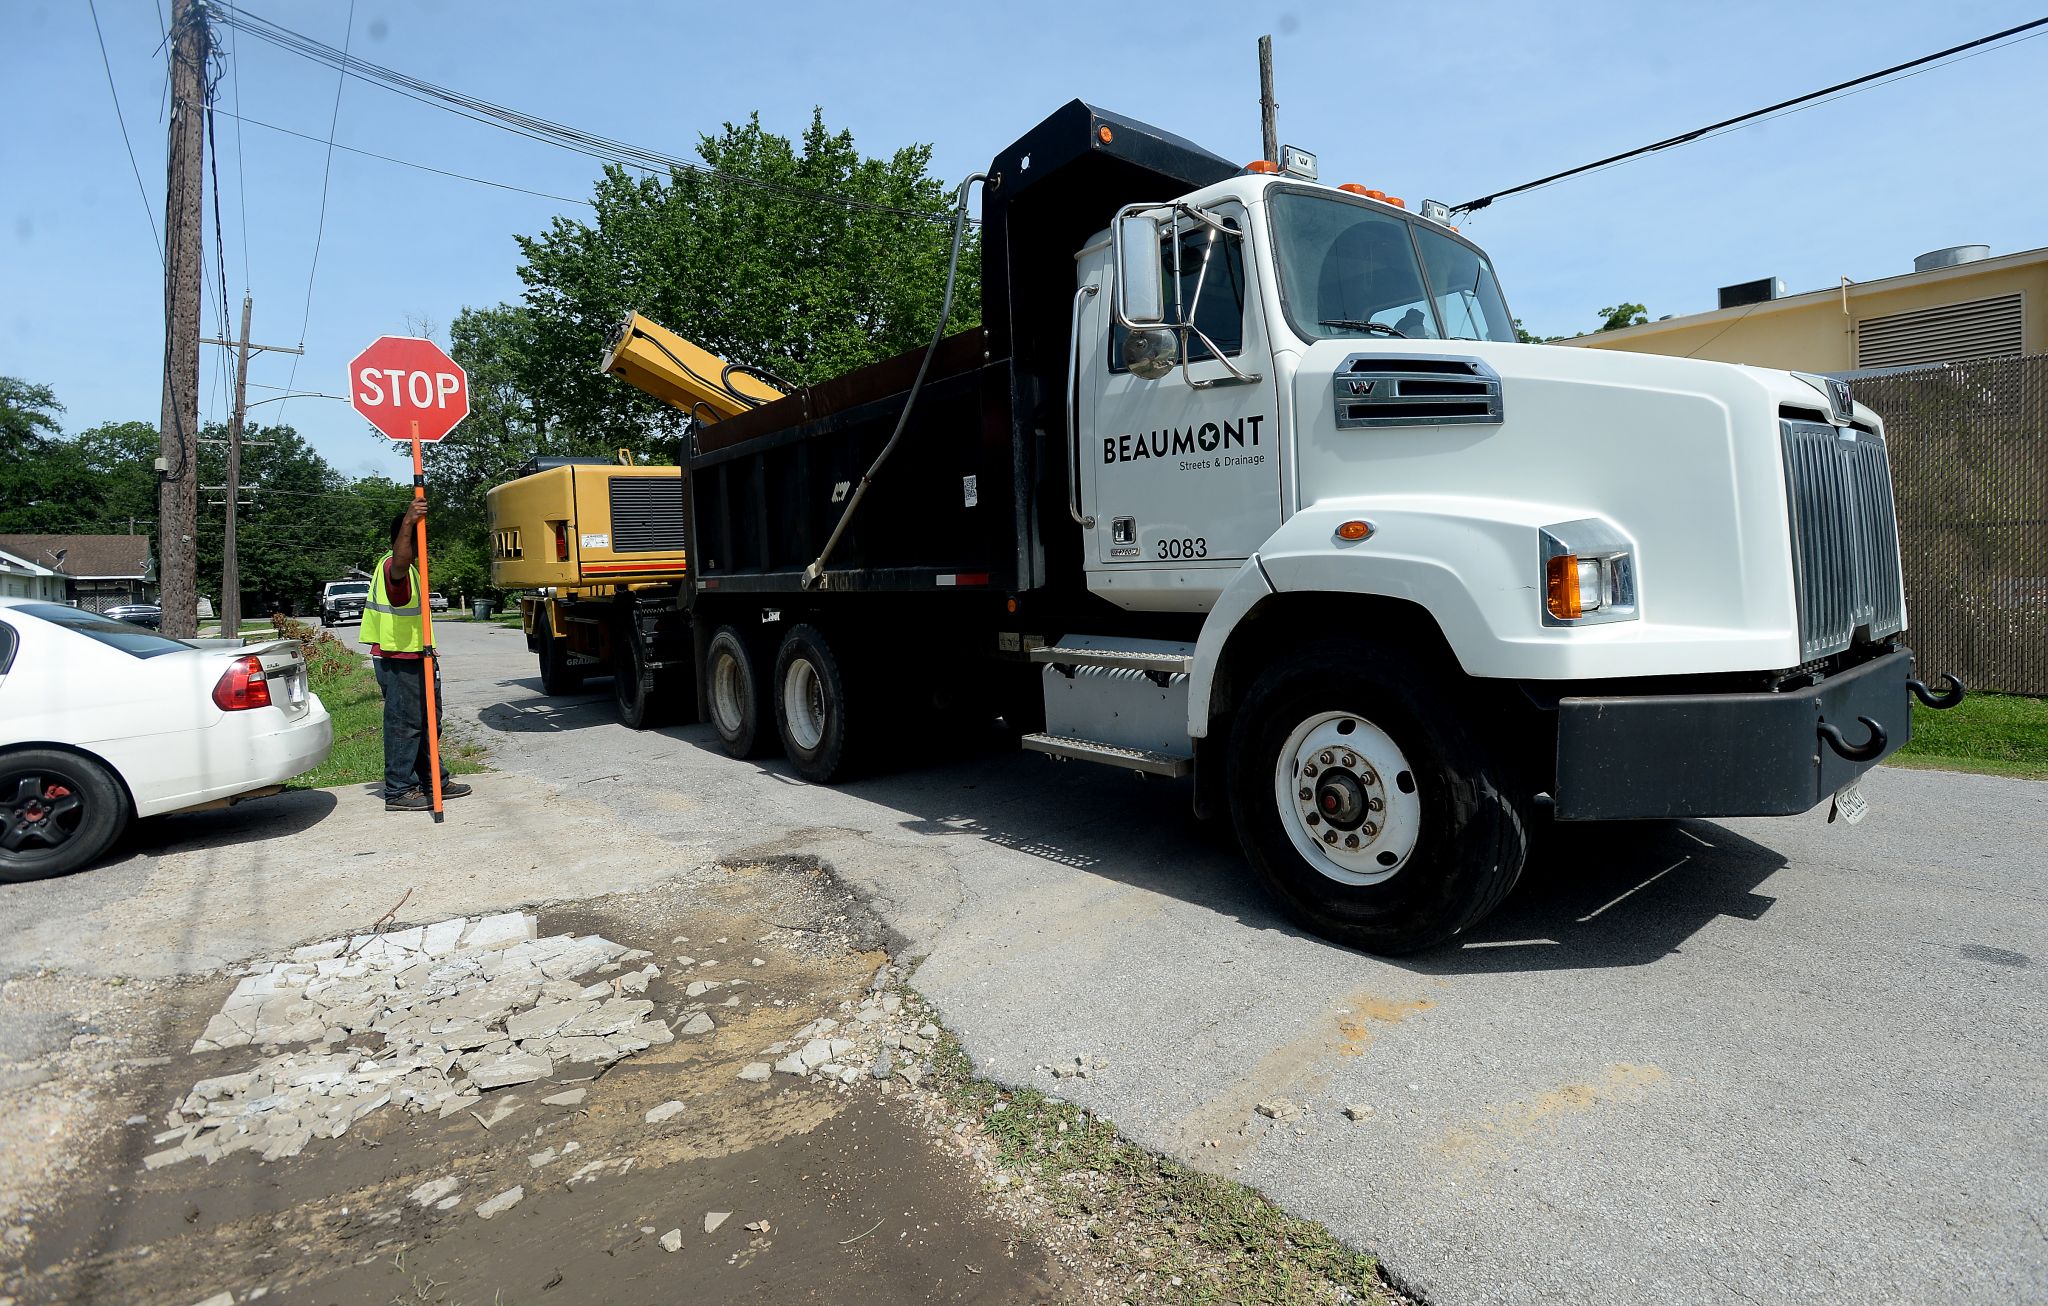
(1948, 333)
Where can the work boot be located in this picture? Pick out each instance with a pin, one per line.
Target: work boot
(454, 789)
(412, 800)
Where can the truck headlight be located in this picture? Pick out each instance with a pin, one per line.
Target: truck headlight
(1589, 573)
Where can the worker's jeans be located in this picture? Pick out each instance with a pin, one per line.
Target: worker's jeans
(403, 682)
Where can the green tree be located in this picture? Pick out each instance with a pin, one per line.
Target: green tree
(27, 412)
(1622, 315)
(1530, 339)
(765, 275)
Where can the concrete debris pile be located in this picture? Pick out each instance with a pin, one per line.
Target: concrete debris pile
(880, 1039)
(459, 1007)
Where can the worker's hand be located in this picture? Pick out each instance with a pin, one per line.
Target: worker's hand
(415, 513)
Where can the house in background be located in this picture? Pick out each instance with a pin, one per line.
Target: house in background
(96, 571)
(1958, 305)
(22, 579)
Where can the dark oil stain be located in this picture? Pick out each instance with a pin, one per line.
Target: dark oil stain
(1996, 956)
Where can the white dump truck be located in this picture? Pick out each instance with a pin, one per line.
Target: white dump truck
(1246, 478)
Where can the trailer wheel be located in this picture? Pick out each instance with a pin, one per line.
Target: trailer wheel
(1368, 803)
(644, 701)
(557, 677)
(735, 692)
(810, 705)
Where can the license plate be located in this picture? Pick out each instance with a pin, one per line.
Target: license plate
(295, 689)
(1850, 805)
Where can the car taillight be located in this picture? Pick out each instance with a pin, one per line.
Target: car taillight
(242, 686)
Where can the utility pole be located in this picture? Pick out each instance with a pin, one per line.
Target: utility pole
(178, 470)
(1269, 124)
(230, 561)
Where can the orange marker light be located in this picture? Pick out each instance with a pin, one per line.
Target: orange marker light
(1561, 585)
(1103, 134)
(1262, 165)
(1355, 530)
(1353, 188)
(1396, 201)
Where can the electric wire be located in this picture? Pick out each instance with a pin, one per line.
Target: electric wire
(408, 163)
(149, 214)
(533, 127)
(1783, 106)
(320, 229)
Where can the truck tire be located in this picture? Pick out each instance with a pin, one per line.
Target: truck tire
(645, 699)
(557, 677)
(736, 694)
(1389, 759)
(810, 705)
(58, 811)
(326, 620)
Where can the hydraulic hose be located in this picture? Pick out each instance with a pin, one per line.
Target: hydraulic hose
(814, 574)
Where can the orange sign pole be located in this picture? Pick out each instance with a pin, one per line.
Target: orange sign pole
(419, 491)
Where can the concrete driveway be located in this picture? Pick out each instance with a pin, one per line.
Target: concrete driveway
(1762, 1061)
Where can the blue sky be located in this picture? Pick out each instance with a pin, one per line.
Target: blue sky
(1443, 101)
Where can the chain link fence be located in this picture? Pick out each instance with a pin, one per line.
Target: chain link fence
(1969, 452)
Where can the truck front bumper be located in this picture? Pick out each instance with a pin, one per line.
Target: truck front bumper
(1624, 758)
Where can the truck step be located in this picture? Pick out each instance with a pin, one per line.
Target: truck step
(1090, 750)
(1171, 660)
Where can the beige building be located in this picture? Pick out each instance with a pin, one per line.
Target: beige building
(1959, 304)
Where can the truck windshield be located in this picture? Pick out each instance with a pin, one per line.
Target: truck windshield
(1350, 270)
(355, 591)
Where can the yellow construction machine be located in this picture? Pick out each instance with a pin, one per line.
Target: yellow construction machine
(598, 544)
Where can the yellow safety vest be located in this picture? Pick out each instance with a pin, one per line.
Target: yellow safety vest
(392, 629)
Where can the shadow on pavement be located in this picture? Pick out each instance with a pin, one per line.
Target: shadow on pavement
(1591, 896)
(280, 816)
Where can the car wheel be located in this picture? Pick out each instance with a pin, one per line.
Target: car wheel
(737, 697)
(1370, 805)
(58, 811)
(326, 620)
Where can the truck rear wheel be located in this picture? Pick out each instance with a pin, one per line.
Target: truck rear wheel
(556, 675)
(735, 692)
(810, 705)
(1367, 802)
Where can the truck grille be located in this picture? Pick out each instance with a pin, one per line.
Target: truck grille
(1845, 539)
(647, 515)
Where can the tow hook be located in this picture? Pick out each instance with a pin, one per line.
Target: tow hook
(1867, 751)
(1943, 701)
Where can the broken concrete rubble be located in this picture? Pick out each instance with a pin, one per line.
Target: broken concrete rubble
(429, 1017)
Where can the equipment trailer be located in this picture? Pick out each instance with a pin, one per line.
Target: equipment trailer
(1244, 477)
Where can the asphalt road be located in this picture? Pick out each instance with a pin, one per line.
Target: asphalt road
(1755, 1061)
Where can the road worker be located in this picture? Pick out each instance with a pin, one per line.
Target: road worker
(397, 642)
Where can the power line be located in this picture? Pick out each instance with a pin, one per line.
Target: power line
(140, 189)
(544, 130)
(408, 163)
(1726, 124)
(326, 172)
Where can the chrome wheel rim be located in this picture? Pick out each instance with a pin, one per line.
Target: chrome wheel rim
(727, 699)
(803, 704)
(1348, 798)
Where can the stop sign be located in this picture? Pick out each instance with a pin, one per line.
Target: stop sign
(407, 387)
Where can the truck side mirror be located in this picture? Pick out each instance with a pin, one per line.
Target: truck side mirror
(1140, 288)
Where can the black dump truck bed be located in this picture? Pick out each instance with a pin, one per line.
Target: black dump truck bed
(976, 493)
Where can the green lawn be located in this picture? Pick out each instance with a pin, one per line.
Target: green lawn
(1995, 734)
(346, 684)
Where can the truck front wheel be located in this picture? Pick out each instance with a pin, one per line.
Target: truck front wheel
(1368, 803)
(734, 691)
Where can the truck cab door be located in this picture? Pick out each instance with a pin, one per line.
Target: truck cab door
(1179, 475)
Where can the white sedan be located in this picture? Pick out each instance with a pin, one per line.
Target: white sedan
(101, 721)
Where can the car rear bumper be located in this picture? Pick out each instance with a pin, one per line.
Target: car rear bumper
(1629, 757)
(243, 754)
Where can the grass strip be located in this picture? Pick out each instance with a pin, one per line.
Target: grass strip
(1992, 734)
(1159, 1230)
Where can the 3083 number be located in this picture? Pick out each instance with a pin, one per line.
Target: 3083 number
(1184, 548)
